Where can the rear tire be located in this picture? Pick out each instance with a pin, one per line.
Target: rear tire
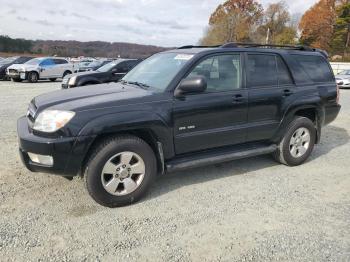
(33, 77)
(120, 170)
(297, 143)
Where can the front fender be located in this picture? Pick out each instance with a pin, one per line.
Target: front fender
(131, 121)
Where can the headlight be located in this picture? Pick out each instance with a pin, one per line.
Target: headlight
(51, 120)
(72, 80)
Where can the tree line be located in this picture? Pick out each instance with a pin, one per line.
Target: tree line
(325, 25)
(76, 48)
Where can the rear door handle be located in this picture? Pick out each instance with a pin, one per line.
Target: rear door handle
(238, 99)
(287, 92)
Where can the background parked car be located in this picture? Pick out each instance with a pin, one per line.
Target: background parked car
(40, 68)
(343, 79)
(93, 65)
(111, 72)
(5, 63)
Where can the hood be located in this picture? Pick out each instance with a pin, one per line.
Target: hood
(342, 76)
(91, 97)
(85, 73)
(23, 66)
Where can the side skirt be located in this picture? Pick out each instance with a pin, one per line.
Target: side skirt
(217, 156)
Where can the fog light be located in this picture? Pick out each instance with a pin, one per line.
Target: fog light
(41, 159)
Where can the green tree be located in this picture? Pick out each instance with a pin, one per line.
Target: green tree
(233, 21)
(277, 27)
(341, 37)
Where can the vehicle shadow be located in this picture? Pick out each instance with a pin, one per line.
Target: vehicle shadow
(332, 137)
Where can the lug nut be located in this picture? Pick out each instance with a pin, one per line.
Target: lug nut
(124, 166)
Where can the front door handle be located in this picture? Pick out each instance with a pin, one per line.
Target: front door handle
(287, 92)
(238, 99)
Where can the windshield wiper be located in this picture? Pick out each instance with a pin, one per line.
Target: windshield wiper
(139, 84)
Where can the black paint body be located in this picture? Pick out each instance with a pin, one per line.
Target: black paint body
(224, 119)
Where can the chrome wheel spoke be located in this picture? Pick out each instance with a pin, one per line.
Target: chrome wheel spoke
(293, 151)
(125, 158)
(302, 150)
(112, 185)
(109, 168)
(138, 168)
(129, 185)
(306, 137)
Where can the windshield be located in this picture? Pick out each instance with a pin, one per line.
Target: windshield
(8, 60)
(107, 67)
(34, 61)
(158, 70)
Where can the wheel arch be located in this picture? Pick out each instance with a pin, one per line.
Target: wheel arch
(312, 111)
(151, 129)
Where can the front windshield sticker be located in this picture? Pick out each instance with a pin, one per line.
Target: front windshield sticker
(183, 57)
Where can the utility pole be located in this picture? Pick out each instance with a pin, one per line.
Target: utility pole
(268, 36)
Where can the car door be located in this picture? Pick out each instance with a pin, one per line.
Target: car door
(119, 71)
(269, 85)
(218, 116)
(48, 68)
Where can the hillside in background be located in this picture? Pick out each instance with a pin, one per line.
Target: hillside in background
(76, 48)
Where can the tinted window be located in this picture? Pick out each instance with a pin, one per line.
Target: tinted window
(22, 60)
(261, 70)
(221, 72)
(316, 67)
(60, 61)
(47, 62)
(284, 77)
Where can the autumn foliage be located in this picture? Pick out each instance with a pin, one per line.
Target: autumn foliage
(317, 23)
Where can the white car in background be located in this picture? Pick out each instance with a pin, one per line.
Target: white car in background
(40, 68)
(343, 79)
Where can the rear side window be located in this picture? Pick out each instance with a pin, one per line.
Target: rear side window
(261, 70)
(60, 61)
(284, 77)
(316, 67)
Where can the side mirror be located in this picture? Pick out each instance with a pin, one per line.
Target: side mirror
(197, 84)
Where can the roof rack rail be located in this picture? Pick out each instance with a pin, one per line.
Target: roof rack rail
(198, 46)
(291, 47)
(236, 45)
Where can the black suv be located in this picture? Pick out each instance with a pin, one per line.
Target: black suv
(178, 109)
(111, 72)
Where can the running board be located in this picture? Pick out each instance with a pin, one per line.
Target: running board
(210, 158)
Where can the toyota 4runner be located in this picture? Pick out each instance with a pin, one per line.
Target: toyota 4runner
(179, 109)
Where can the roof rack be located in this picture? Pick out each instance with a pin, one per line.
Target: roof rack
(243, 45)
(198, 46)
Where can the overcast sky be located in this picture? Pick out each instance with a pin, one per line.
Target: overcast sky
(156, 22)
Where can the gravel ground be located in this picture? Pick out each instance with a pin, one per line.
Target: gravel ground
(247, 210)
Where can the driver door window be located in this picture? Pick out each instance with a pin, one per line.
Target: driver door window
(222, 72)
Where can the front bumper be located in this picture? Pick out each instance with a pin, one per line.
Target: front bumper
(17, 75)
(68, 153)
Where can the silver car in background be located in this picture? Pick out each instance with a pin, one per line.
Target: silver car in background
(343, 79)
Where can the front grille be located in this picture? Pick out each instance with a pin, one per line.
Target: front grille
(13, 71)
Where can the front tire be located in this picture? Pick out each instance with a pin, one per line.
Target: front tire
(16, 80)
(33, 77)
(120, 170)
(297, 143)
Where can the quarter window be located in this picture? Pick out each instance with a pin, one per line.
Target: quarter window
(261, 70)
(223, 72)
(316, 67)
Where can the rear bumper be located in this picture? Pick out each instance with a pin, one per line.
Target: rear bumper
(331, 112)
(68, 153)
